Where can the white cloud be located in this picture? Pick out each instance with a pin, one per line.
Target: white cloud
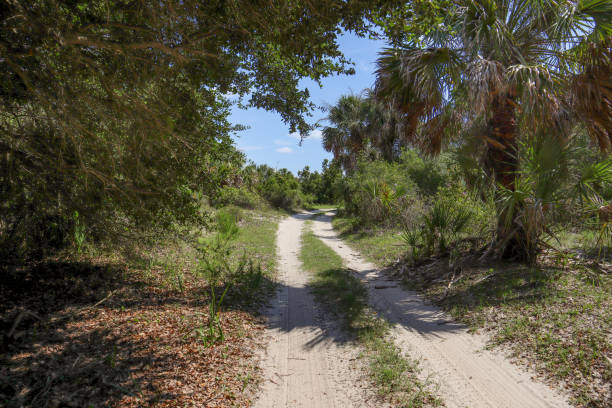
(282, 142)
(284, 150)
(250, 148)
(315, 134)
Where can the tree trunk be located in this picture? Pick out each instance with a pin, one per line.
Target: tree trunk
(502, 159)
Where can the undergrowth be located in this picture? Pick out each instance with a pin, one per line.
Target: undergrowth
(553, 317)
(123, 326)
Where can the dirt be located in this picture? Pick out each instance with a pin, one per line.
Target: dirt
(467, 373)
(99, 335)
(309, 362)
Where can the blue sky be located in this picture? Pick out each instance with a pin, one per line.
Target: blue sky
(268, 141)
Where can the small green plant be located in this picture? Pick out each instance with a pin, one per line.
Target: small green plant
(213, 260)
(173, 270)
(442, 225)
(246, 278)
(412, 240)
(79, 232)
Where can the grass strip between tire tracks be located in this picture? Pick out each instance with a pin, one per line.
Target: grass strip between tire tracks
(394, 374)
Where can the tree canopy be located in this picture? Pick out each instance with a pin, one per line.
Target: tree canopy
(122, 105)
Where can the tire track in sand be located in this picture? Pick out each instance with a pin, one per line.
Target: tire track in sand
(309, 362)
(468, 375)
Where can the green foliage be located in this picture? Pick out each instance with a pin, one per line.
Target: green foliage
(246, 279)
(361, 125)
(429, 174)
(79, 233)
(377, 191)
(453, 214)
(596, 180)
(465, 73)
(281, 188)
(409, 21)
(310, 182)
(552, 179)
(118, 110)
(213, 264)
(324, 187)
(238, 196)
(119, 174)
(393, 192)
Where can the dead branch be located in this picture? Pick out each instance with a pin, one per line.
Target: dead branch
(19, 318)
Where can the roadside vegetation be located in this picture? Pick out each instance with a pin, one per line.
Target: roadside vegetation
(552, 317)
(437, 235)
(486, 183)
(131, 328)
(137, 242)
(394, 374)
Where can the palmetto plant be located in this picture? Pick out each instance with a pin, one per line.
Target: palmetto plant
(214, 264)
(550, 178)
(495, 71)
(442, 225)
(594, 180)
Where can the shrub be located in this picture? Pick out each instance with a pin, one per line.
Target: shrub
(288, 198)
(238, 196)
(281, 188)
(213, 266)
(428, 174)
(379, 192)
(322, 187)
(455, 213)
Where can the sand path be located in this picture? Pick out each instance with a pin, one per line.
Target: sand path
(308, 361)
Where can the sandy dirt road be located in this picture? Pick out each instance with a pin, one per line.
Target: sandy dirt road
(308, 361)
(467, 374)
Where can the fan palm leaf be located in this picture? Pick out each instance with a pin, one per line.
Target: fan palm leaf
(520, 67)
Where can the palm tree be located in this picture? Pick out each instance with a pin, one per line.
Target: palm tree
(495, 71)
(348, 134)
(384, 128)
(359, 124)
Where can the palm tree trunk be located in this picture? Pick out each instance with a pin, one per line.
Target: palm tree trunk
(502, 159)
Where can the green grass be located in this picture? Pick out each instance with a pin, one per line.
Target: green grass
(256, 243)
(394, 374)
(257, 238)
(589, 240)
(322, 206)
(378, 245)
(555, 318)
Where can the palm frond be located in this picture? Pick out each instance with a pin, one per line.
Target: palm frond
(591, 92)
(418, 83)
(484, 79)
(577, 18)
